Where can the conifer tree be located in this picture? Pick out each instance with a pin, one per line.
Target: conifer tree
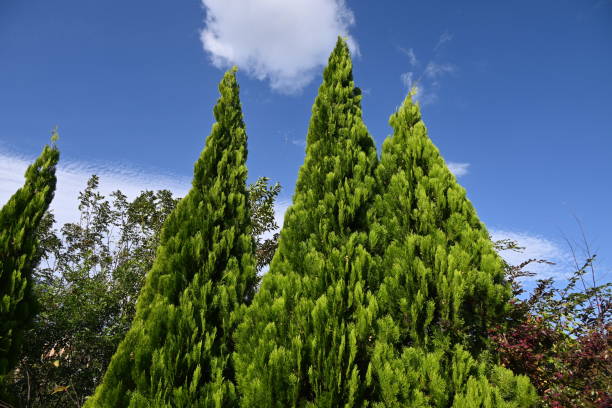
(304, 339)
(178, 351)
(443, 284)
(19, 252)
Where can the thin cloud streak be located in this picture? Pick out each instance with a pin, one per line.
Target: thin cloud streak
(434, 70)
(536, 247)
(412, 59)
(444, 38)
(72, 178)
(428, 82)
(299, 142)
(458, 169)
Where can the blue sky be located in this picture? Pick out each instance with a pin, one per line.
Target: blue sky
(515, 94)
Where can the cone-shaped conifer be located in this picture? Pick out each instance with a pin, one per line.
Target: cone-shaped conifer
(178, 351)
(443, 283)
(19, 254)
(303, 341)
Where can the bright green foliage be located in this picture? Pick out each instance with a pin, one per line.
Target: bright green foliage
(178, 351)
(104, 254)
(415, 378)
(442, 274)
(443, 285)
(19, 253)
(261, 199)
(87, 284)
(304, 339)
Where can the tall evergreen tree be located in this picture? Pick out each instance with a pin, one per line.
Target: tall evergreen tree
(19, 253)
(443, 285)
(178, 351)
(304, 339)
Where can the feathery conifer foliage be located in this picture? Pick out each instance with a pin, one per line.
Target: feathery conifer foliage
(303, 341)
(443, 276)
(443, 285)
(178, 351)
(19, 252)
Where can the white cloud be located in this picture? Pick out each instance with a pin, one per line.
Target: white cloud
(536, 247)
(458, 169)
(283, 41)
(280, 208)
(72, 178)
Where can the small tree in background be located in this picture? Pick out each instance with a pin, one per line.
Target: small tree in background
(262, 198)
(443, 284)
(178, 349)
(87, 285)
(103, 255)
(304, 339)
(19, 253)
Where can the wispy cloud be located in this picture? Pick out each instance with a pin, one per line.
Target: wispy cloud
(423, 92)
(536, 247)
(412, 59)
(444, 38)
(299, 142)
(72, 178)
(458, 169)
(428, 81)
(408, 79)
(434, 70)
(285, 42)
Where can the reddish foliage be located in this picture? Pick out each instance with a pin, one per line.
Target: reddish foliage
(567, 371)
(559, 337)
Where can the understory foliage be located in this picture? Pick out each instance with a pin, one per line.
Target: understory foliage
(19, 254)
(304, 340)
(559, 336)
(442, 285)
(87, 283)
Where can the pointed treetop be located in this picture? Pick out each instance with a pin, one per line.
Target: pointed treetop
(341, 46)
(304, 342)
(54, 135)
(229, 98)
(19, 254)
(443, 285)
(178, 350)
(413, 92)
(340, 65)
(408, 114)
